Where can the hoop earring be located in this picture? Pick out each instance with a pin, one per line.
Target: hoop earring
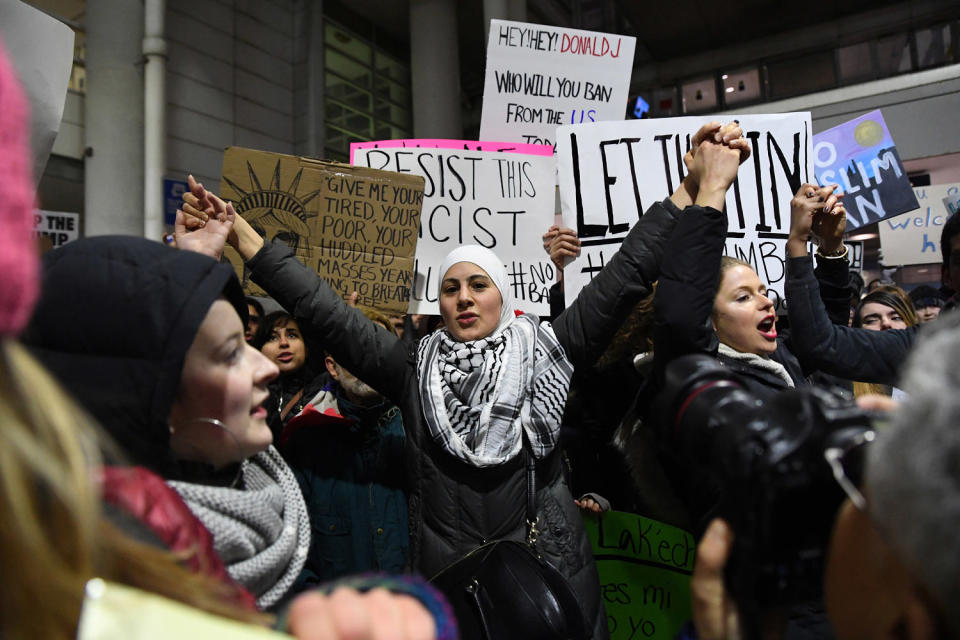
(217, 423)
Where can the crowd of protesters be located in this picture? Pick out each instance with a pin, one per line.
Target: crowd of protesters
(311, 468)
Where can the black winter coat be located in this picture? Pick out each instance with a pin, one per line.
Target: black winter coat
(454, 507)
(684, 303)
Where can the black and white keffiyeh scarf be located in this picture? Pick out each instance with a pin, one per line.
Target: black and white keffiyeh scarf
(477, 396)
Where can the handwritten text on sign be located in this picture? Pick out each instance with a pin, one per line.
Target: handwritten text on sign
(611, 172)
(501, 201)
(540, 77)
(644, 568)
(914, 237)
(860, 156)
(356, 227)
(463, 145)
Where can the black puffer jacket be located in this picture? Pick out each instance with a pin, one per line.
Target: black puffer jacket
(684, 304)
(454, 507)
(860, 354)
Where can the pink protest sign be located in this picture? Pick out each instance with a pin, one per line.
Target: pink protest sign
(469, 145)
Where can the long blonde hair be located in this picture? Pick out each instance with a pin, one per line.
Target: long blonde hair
(53, 537)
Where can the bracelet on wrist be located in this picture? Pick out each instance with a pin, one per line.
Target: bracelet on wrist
(833, 255)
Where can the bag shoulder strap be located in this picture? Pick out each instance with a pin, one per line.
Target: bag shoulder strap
(532, 518)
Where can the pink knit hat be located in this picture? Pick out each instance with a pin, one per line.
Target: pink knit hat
(18, 249)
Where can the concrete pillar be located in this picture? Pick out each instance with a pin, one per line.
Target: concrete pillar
(435, 69)
(113, 120)
(316, 131)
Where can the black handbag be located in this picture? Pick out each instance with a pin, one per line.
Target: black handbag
(504, 590)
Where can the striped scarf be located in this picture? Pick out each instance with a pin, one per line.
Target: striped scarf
(477, 396)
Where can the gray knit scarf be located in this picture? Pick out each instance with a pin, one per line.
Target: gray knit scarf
(261, 531)
(766, 364)
(478, 397)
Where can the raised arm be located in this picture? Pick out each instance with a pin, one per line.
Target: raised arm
(587, 326)
(833, 268)
(375, 356)
(691, 264)
(819, 344)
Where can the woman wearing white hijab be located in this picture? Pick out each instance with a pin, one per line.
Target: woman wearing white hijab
(474, 387)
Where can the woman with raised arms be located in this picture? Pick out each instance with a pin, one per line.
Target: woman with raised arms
(476, 389)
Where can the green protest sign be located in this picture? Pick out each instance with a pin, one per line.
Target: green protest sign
(644, 568)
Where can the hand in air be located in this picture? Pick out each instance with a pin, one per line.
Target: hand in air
(204, 222)
(347, 614)
(564, 244)
(818, 211)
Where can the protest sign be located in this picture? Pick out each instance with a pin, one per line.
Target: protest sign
(41, 51)
(501, 201)
(540, 77)
(952, 203)
(355, 226)
(58, 227)
(860, 157)
(854, 254)
(914, 237)
(610, 172)
(465, 145)
(644, 567)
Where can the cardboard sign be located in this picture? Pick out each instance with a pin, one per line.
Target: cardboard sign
(501, 201)
(57, 227)
(860, 156)
(611, 172)
(645, 567)
(540, 77)
(40, 48)
(356, 227)
(914, 237)
(465, 145)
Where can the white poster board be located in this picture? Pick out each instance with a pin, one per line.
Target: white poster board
(501, 201)
(611, 172)
(914, 237)
(60, 226)
(540, 77)
(41, 50)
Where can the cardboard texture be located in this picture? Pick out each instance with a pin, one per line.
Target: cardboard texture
(645, 568)
(356, 227)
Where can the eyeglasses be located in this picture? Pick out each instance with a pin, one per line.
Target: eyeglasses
(846, 462)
